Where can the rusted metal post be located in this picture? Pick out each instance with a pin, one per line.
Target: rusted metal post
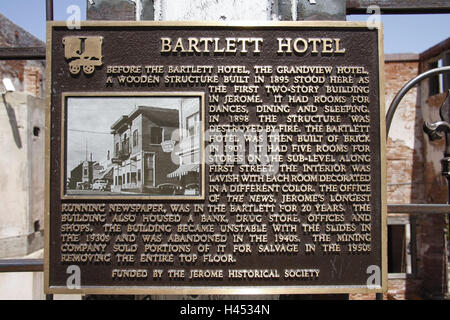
(49, 8)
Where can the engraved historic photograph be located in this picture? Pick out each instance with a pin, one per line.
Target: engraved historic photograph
(133, 146)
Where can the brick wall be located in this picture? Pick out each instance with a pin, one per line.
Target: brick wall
(431, 232)
(27, 76)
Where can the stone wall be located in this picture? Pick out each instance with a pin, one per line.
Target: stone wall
(215, 10)
(405, 146)
(22, 126)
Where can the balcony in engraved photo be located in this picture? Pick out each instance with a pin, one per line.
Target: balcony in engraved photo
(188, 150)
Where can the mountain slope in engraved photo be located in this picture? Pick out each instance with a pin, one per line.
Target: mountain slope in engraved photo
(133, 146)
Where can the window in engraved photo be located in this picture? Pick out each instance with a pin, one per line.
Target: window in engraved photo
(133, 146)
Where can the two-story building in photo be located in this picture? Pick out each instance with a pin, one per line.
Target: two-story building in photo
(157, 150)
(84, 174)
(139, 163)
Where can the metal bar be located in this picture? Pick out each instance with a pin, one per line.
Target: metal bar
(111, 10)
(419, 208)
(36, 265)
(22, 53)
(21, 265)
(403, 91)
(399, 6)
(49, 8)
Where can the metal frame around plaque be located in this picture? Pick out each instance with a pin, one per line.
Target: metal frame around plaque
(182, 290)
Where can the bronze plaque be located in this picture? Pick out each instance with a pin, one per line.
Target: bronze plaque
(209, 158)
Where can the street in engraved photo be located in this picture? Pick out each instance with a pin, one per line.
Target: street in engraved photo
(133, 146)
